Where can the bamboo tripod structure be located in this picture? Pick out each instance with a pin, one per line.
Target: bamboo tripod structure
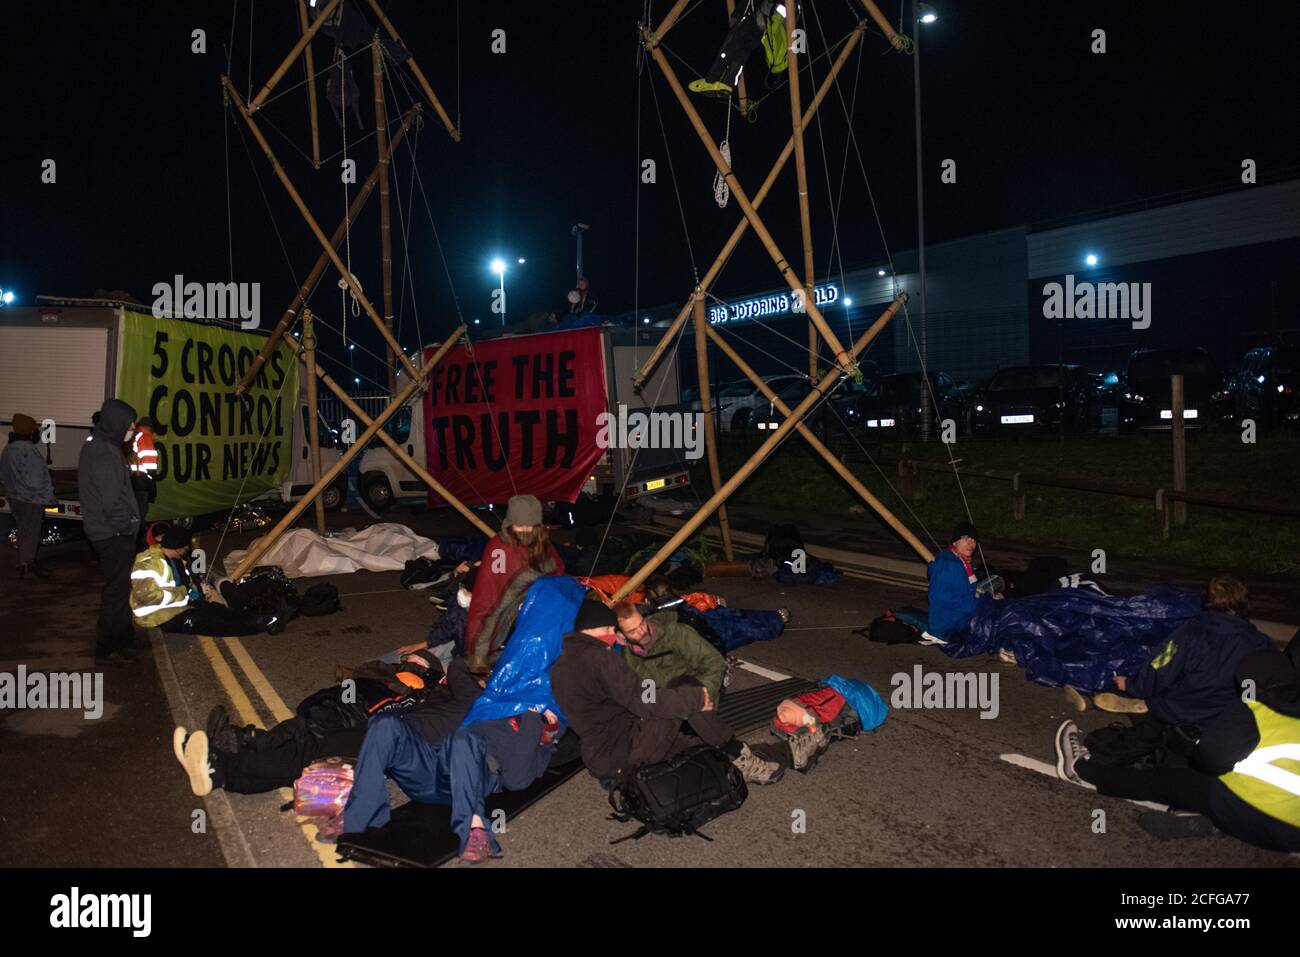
(310, 63)
(385, 227)
(804, 296)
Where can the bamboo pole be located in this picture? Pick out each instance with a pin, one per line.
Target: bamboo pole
(259, 547)
(348, 278)
(396, 448)
(740, 86)
(667, 22)
(842, 358)
(303, 41)
(820, 448)
(385, 228)
(801, 171)
(415, 69)
(300, 300)
(313, 430)
(312, 111)
(896, 39)
(310, 63)
(706, 413)
(773, 440)
(1178, 431)
(644, 372)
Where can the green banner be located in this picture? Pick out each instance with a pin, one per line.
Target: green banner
(215, 448)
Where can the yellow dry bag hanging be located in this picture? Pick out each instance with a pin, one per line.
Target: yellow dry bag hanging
(776, 42)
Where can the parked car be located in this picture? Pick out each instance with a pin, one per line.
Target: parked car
(1035, 399)
(1266, 387)
(893, 408)
(1146, 398)
(738, 402)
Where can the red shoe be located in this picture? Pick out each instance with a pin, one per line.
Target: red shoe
(477, 848)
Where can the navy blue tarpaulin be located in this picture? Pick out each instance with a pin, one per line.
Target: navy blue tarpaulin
(1074, 636)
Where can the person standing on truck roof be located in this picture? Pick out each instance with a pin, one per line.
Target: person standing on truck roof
(512, 561)
(28, 489)
(581, 301)
(111, 516)
(144, 470)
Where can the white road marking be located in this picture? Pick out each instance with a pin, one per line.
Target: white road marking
(759, 670)
(1042, 767)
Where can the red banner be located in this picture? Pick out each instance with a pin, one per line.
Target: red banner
(516, 416)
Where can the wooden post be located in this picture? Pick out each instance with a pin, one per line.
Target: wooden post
(842, 358)
(348, 278)
(820, 448)
(740, 87)
(773, 440)
(396, 448)
(1017, 498)
(300, 300)
(313, 429)
(419, 74)
(303, 41)
(310, 63)
(667, 22)
(385, 229)
(1180, 446)
(648, 366)
(801, 177)
(706, 410)
(896, 40)
(259, 547)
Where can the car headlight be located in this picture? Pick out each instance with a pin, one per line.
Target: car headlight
(979, 408)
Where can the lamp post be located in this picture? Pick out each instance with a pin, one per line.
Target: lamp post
(499, 267)
(921, 13)
(578, 230)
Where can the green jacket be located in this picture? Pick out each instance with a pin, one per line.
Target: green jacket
(678, 650)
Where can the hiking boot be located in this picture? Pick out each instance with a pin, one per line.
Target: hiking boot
(1070, 751)
(192, 752)
(1076, 700)
(1173, 825)
(755, 770)
(477, 848)
(1119, 704)
(703, 87)
(806, 748)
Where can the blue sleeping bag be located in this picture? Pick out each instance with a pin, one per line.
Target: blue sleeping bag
(521, 680)
(1074, 636)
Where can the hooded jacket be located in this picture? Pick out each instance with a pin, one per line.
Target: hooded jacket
(952, 594)
(23, 473)
(602, 699)
(160, 588)
(1191, 678)
(108, 503)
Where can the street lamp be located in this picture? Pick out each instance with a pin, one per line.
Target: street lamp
(499, 267)
(577, 231)
(921, 13)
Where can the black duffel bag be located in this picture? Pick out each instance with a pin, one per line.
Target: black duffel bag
(678, 796)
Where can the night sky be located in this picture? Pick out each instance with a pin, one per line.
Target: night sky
(1041, 129)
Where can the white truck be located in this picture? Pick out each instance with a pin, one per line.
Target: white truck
(385, 479)
(64, 357)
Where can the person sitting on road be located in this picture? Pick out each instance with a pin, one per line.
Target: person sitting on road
(446, 639)
(661, 650)
(1190, 680)
(952, 586)
(164, 596)
(512, 560)
(620, 726)
(1243, 776)
(436, 762)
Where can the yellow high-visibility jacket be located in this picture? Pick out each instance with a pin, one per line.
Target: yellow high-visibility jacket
(156, 595)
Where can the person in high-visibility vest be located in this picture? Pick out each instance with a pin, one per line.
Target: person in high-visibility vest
(1245, 770)
(144, 471)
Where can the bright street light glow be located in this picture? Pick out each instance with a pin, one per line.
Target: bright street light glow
(925, 13)
(880, 272)
(848, 302)
(8, 297)
(1091, 259)
(356, 380)
(522, 260)
(498, 265)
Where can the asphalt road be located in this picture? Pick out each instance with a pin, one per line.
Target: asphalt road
(929, 788)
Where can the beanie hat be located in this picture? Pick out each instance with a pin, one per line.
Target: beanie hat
(23, 424)
(175, 537)
(962, 530)
(523, 510)
(594, 613)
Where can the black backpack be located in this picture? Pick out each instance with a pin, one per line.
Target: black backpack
(782, 540)
(678, 796)
(888, 630)
(320, 599)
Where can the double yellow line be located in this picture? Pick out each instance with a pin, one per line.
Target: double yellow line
(247, 714)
